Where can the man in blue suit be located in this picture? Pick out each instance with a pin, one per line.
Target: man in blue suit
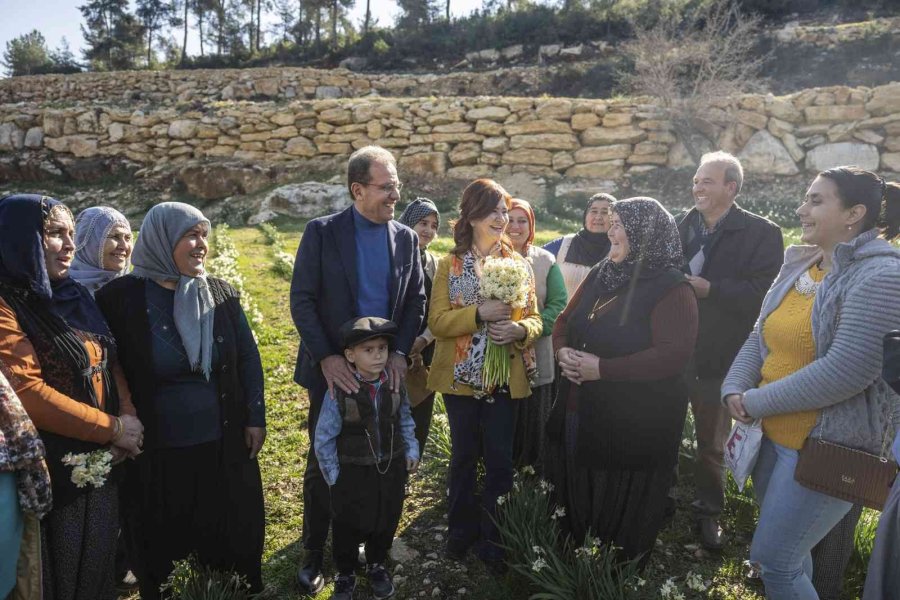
(355, 263)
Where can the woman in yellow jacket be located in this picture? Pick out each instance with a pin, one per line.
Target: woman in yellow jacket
(481, 420)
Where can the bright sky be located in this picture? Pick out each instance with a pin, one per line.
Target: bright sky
(56, 19)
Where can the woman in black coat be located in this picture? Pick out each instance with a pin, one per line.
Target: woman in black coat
(197, 382)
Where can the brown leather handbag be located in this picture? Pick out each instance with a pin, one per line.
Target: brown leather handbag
(846, 473)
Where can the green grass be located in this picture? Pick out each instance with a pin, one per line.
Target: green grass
(423, 526)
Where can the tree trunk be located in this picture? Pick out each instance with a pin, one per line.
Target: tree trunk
(258, 22)
(448, 11)
(220, 14)
(334, 24)
(149, 44)
(368, 18)
(200, 25)
(252, 27)
(187, 5)
(318, 28)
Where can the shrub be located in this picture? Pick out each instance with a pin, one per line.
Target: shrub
(558, 569)
(193, 581)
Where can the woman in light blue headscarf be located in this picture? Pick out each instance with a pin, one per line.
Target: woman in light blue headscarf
(197, 382)
(102, 247)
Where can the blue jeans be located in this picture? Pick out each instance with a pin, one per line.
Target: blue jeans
(792, 519)
(478, 429)
(10, 532)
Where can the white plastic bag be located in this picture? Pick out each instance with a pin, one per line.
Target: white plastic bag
(742, 449)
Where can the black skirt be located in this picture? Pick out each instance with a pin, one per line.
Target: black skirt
(78, 547)
(183, 501)
(623, 507)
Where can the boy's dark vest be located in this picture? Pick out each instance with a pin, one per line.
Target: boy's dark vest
(361, 432)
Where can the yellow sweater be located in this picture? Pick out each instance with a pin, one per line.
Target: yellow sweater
(447, 322)
(788, 336)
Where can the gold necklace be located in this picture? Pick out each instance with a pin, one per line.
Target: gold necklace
(597, 309)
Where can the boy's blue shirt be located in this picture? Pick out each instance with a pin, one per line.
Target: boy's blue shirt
(329, 425)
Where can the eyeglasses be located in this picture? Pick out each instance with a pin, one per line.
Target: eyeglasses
(387, 188)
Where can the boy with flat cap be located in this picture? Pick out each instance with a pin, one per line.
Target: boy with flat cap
(365, 444)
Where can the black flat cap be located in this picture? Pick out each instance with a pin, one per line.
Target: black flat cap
(356, 331)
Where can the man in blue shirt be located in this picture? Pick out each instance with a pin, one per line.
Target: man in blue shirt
(358, 262)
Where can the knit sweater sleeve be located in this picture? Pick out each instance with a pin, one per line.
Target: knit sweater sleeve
(48, 409)
(746, 370)
(556, 299)
(673, 324)
(851, 363)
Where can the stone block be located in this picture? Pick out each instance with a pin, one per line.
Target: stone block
(604, 136)
(751, 119)
(334, 148)
(34, 138)
(869, 137)
(183, 129)
(498, 145)
(465, 154)
(282, 118)
(453, 128)
(488, 113)
(425, 163)
(562, 161)
(885, 100)
(648, 159)
(267, 86)
(765, 154)
(489, 128)
(545, 141)
(890, 161)
(582, 121)
(537, 126)
(336, 116)
(602, 153)
(469, 173)
(617, 119)
(300, 146)
(835, 114)
(555, 108)
(528, 156)
(608, 169)
(827, 156)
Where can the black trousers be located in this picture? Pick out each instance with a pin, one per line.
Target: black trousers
(366, 503)
(183, 501)
(479, 429)
(421, 414)
(316, 498)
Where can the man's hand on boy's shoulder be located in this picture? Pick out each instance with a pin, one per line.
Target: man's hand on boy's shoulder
(412, 465)
(396, 368)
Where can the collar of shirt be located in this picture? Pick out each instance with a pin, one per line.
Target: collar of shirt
(374, 385)
(704, 231)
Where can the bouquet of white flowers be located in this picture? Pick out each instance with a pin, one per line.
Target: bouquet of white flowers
(90, 467)
(509, 281)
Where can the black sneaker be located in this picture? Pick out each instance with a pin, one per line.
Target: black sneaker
(343, 587)
(380, 581)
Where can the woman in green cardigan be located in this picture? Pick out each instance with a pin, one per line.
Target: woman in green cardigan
(550, 287)
(481, 420)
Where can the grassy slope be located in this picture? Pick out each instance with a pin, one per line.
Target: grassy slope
(423, 524)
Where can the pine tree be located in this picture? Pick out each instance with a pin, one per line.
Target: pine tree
(154, 14)
(415, 13)
(26, 54)
(111, 33)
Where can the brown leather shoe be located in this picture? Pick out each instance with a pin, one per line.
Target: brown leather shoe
(710, 533)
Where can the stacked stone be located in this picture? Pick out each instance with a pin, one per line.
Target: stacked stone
(483, 136)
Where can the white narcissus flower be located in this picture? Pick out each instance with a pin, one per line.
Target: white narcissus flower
(538, 564)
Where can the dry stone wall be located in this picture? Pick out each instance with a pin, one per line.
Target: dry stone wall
(284, 84)
(486, 136)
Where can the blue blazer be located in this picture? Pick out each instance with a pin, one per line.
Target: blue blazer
(324, 289)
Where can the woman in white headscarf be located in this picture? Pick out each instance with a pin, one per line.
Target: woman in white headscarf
(102, 247)
(196, 378)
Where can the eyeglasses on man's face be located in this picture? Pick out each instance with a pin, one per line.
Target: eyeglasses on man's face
(387, 188)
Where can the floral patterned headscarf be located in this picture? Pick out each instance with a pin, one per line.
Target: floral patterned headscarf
(653, 240)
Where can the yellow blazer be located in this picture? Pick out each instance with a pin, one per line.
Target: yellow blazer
(447, 323)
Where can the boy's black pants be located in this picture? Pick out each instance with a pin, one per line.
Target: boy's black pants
(366, 507)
